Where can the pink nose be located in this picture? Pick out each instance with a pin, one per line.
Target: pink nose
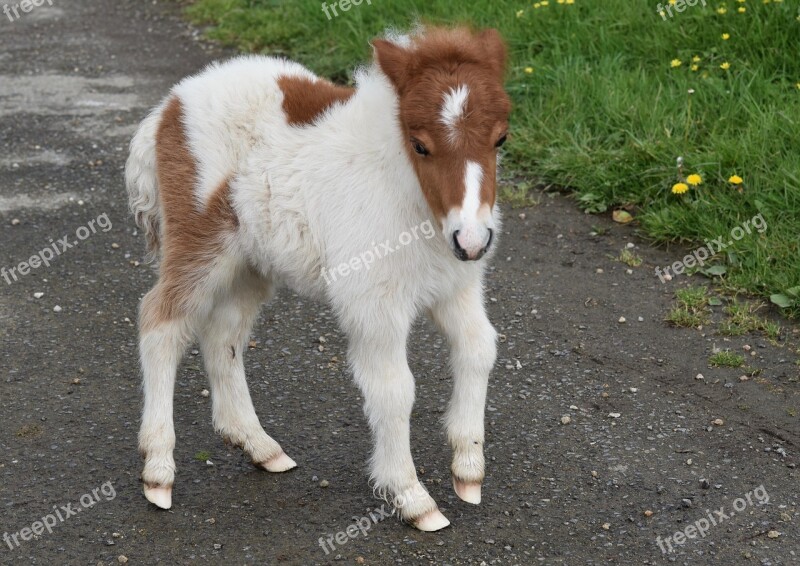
(469, 245)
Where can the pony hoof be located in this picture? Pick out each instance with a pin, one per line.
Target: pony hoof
(469, 492)
(280, 463)
(432, 521)
(159, 496)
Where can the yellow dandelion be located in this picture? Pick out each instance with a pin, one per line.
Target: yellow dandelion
(798, 86)
(569, 1)
(726, 36)
(529, 70)
(559, 1)
(679, 188)
(696, 59)
(520, 13)
(544, 2)
(725, 66)
(537, 5)
(694, 179)
(735, 180)
(741, 9)
(675, 63)
(695, 67)
(722, 10)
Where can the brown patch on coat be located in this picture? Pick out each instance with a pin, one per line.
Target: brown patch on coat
(305, 100)
(422, 74)
(191, 238)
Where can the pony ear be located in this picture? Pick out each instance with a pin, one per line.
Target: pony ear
(495, 48)
(394, 61)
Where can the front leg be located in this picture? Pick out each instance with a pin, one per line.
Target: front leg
(378, 357)
(462, 318)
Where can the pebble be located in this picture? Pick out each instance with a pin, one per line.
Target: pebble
(324, 483)
(640, 319)
(699, 376)
(57, 308)
(115, 246)
(648, 513)
(522, 216)
(15, 221)
(565, 420)
(38, 295)
(622, 320)
(704, 483)
(747, 347)
(204, 393)
(718, 422)
(686, 502)
(606, 526)
(773, 534)
(599, 270)
(615, 415)
(743, 378)
(594, 473)
(122, 559)
(630, 245)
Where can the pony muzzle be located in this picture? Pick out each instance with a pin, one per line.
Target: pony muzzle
(471, 244)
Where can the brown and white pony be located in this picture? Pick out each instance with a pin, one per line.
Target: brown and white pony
(257, 173)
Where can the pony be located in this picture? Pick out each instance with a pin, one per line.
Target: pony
(256, 173)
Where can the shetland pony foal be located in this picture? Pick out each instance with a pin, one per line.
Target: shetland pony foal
(256, 173)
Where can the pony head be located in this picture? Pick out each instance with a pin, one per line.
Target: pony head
(453, 112)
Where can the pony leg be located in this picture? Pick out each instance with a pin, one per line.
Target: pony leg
(462, 318)
(161, 346)
(223, 341)
(378, 358)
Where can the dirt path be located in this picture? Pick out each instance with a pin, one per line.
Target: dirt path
(75, 80)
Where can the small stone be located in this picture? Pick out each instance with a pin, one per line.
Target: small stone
(57, 308)
(667, 277)
(615, 415)
(599, 270)
(38, 295)
(360, 560)
(606, 526)
(743, 378)
(252, 344)
(747, 347)
(322, 340)
(205, 393)
(116, 535)
(629, 271)
(565, 420)
(604, 395)
(622, 320)
(633, 389)
(630, 245)
(115, 246)
(594, 473)
(686, 502)
(773, 534)
(648, 513)
(640, 319)
(122, 559)
(718, 422)
(573, 407)
(704, 483)
(699, 376)
(522, 216)
(76, 381)
(324, 483)
(689, 462)
(15, 221)
(217, 546)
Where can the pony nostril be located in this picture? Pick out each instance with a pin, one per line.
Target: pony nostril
(489, 243)
(460, 252)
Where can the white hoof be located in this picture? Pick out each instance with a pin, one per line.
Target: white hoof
(280, 463)
(432, 521)
(469, 492)
(159, 496)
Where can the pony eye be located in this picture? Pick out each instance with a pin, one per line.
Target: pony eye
(418, 147)
(501, 141)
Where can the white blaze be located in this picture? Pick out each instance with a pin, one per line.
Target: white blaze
(453, 108)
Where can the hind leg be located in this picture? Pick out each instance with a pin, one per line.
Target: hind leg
(162, 343)
(223, 341)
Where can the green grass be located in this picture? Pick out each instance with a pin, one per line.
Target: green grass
(742, 319)
(691, 309)
(604, 114)
(727, 359)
